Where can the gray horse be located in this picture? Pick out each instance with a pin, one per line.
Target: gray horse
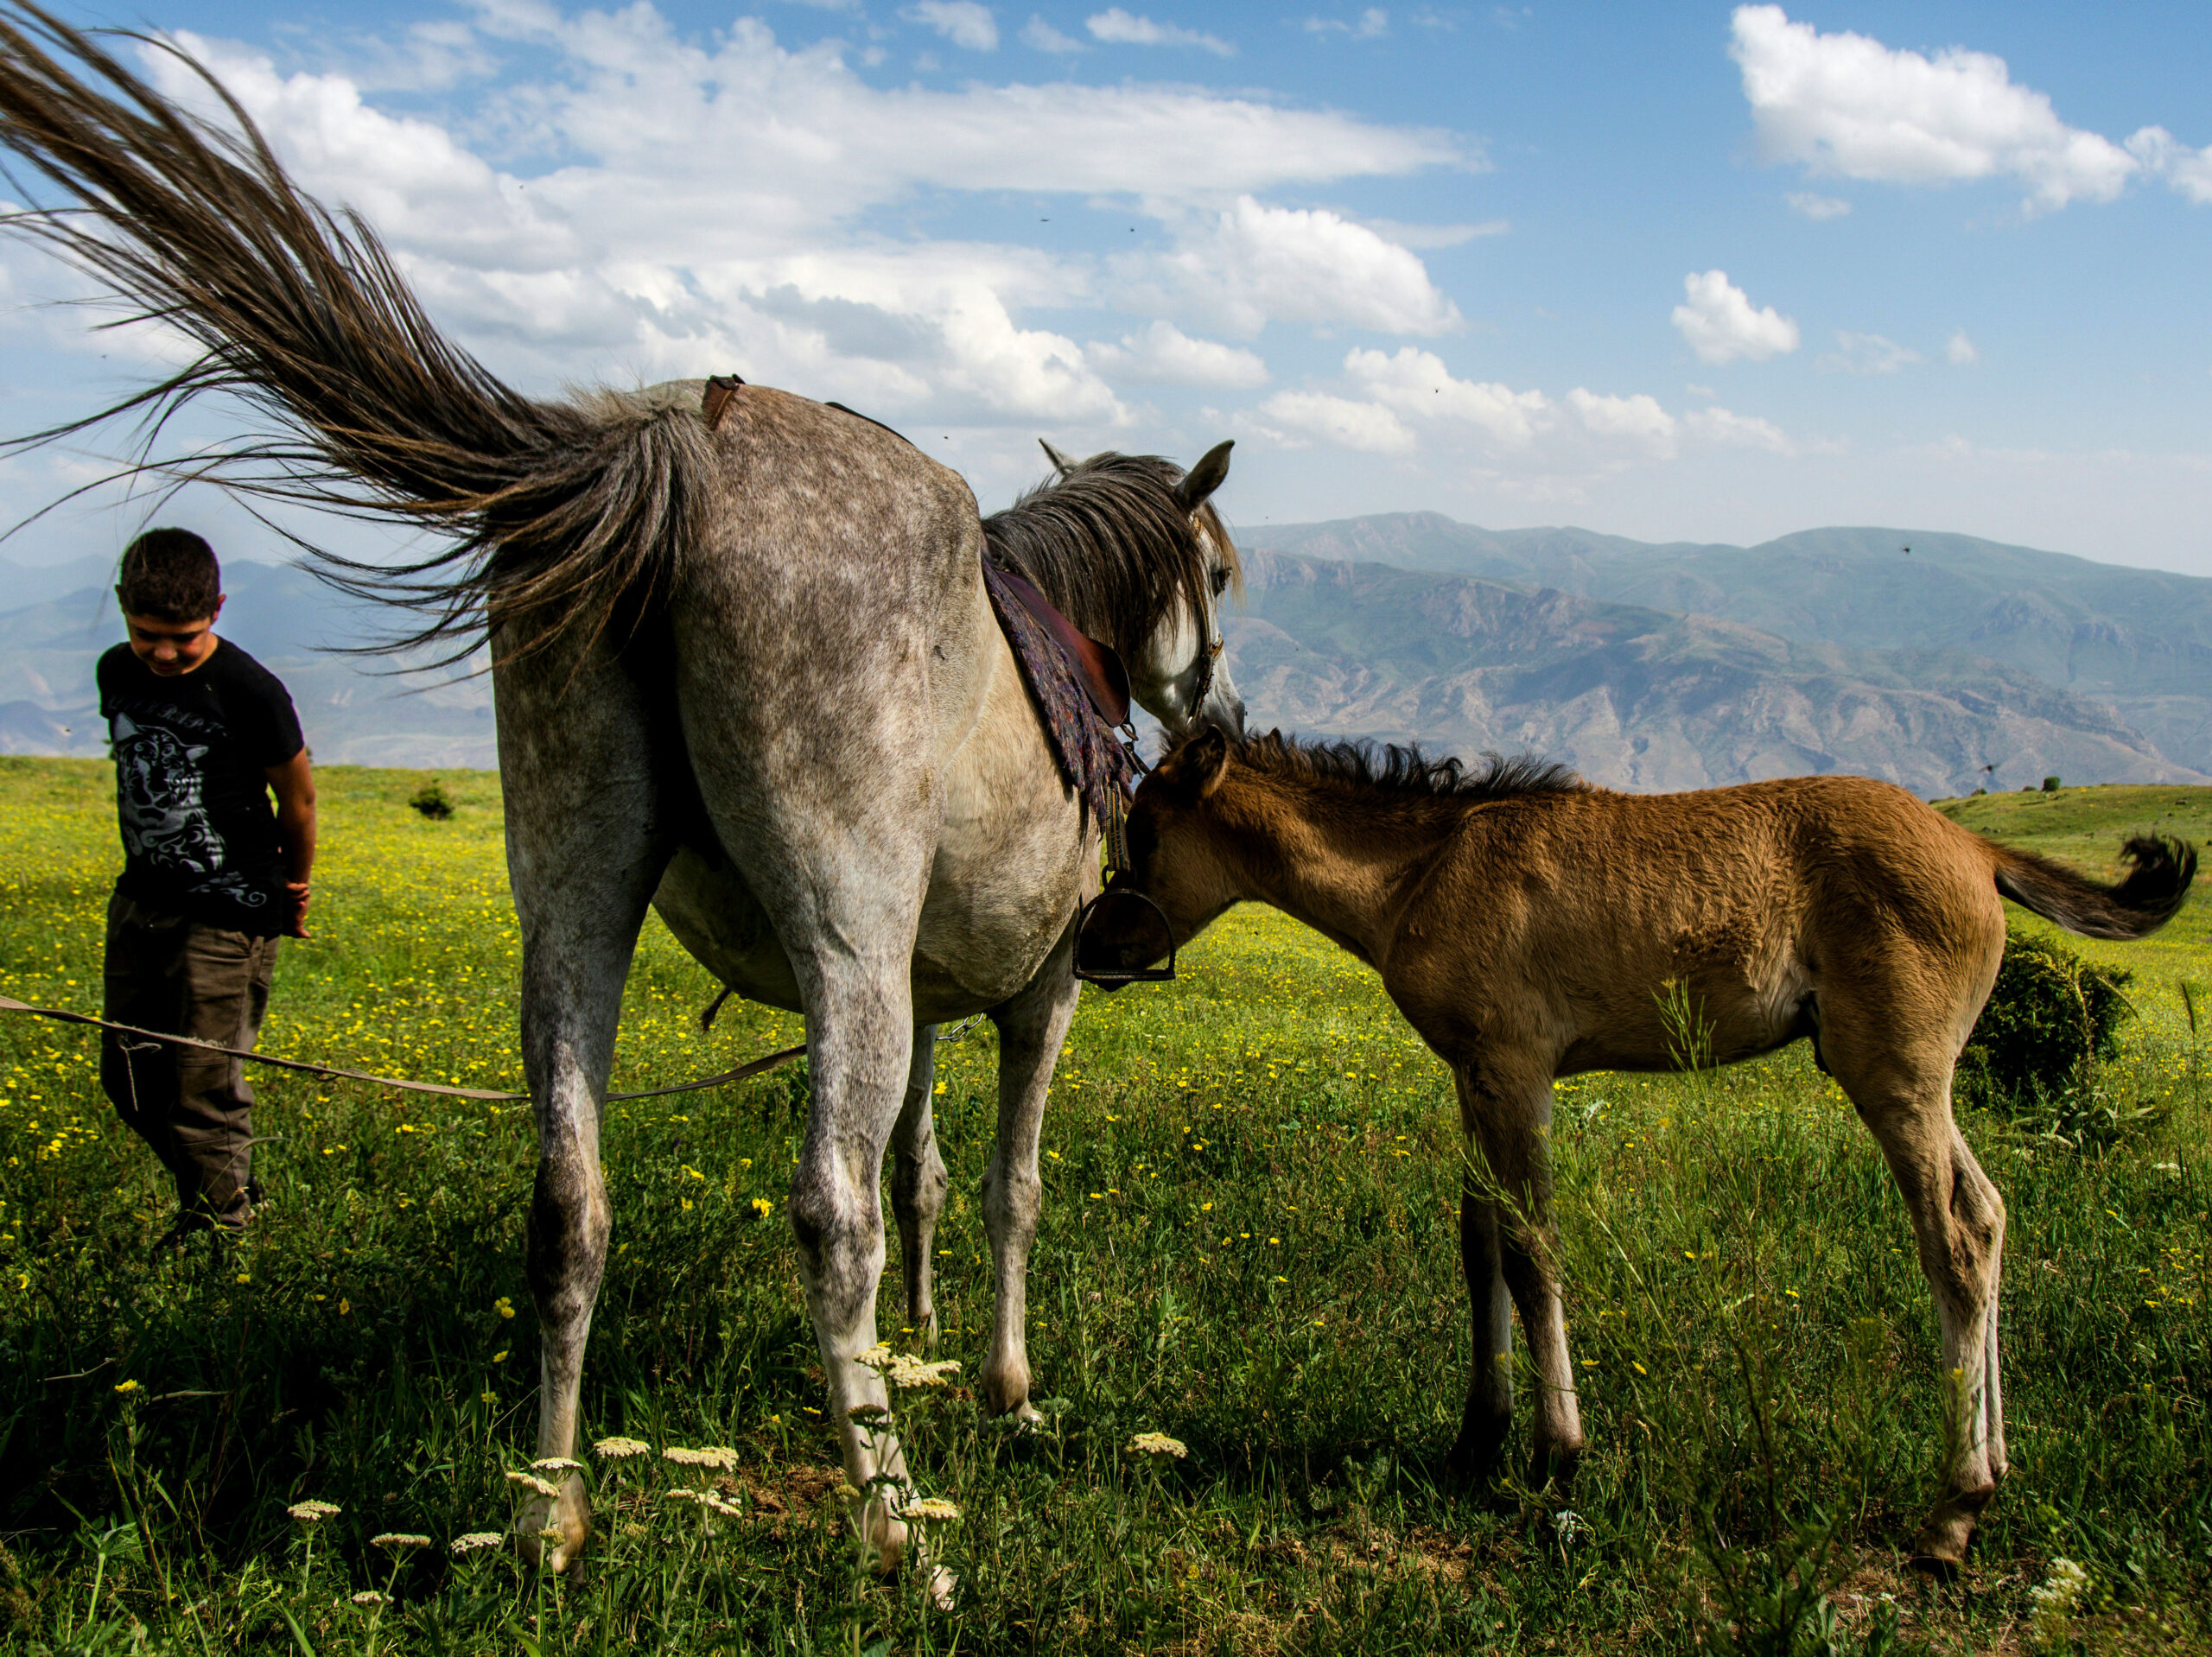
(747, 672)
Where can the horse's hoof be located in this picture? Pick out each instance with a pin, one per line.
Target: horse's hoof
(550, 1531)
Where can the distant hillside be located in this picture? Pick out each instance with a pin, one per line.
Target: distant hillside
(352, 712)
(1637, 698)
(2138, 640)
(1646, 666)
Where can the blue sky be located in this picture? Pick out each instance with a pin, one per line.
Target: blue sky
(1672, 271)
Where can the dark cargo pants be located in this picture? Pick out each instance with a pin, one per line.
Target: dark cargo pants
(172, 975)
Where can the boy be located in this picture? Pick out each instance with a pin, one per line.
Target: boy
(211, 879)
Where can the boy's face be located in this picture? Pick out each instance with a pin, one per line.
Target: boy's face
(170, 648)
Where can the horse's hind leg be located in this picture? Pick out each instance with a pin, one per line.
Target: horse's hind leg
(1030, 1027)
(583, 863)
(917, 1183)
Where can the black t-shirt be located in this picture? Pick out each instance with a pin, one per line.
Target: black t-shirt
(198, 833)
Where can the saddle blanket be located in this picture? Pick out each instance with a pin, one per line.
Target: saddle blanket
(1078, 701)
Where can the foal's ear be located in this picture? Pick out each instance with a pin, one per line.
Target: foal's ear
(1061, 463)
(1204, 477)
(1196, 767)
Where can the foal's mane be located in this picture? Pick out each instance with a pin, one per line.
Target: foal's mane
(1359, 767)
(1111, 546)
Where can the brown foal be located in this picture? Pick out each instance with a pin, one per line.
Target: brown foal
(1526, 923)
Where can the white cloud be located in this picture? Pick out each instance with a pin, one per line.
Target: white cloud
(1848, 106)
(1637, 420)
(1372, 24)
(1042, 36)
(1418, 383)
(1818, 208)
(659, 235)
(1724, 428)
(1163, 352)
(964, 22)
(1959, 350)
(1252, 263)
(1866, 353)
(1409, 402)
(1430, 235)
(1721, 325)
(1367, 428)
(2189, 171)
(1118, 28)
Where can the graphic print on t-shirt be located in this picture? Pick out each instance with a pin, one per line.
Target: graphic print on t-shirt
(160, 797)
(193, 753)
(160, 804)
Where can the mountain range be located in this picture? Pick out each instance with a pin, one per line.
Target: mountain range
(1940, 662)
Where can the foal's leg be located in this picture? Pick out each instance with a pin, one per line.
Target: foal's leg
(1509, 1120)
(1030, 1027)
(1489, 1415)
(1958, 1220)
(917, 1183)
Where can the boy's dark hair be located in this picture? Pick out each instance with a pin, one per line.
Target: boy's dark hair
(169, 575)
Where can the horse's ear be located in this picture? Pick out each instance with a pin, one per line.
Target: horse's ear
(1202, 479)
(1061, 463)
(1196, 765)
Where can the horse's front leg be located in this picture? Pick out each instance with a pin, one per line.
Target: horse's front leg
(917, 1183)
(1030, 1027)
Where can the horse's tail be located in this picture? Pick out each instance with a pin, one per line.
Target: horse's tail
(2135, 907)
(562, 515)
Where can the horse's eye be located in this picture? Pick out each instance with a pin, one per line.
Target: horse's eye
(1220, 581)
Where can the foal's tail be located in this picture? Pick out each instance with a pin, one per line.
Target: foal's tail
(2135, 907)
(562, 515)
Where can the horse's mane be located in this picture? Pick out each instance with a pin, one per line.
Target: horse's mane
(1111, 546)
(1360, 766)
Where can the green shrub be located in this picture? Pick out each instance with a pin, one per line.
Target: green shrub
(2049, 1015)
(430, 800)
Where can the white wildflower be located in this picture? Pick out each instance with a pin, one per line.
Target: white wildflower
(2055, 1599)
(930, 1510)
(615, 1450)
(1159, 1444)
(719, 1456)
(313, 1512)
(475, 1539)
(534, 1484)
(399, 1542)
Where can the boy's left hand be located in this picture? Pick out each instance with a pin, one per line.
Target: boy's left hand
(297, 893)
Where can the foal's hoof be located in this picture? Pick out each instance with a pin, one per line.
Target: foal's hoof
(550, 1531)
(1476, 1456)
(1941, 1547)
(1554, 1464)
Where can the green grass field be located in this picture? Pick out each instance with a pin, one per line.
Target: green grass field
(1249, 1243)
